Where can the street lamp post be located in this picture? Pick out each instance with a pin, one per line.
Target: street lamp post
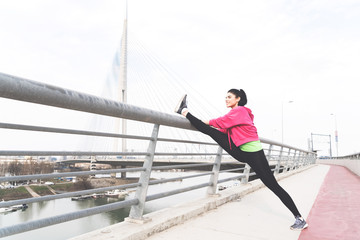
(336, 135)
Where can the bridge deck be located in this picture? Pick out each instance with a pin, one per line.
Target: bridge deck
(329, 197)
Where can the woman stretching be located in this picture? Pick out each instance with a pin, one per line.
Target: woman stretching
(236, 133)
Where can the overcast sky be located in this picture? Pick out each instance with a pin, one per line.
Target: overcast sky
(304, 51)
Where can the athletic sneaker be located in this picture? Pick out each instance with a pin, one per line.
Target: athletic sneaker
(181, 105)
(299, 224)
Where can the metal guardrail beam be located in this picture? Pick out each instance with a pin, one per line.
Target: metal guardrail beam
(68, 131)
(21, 89)
(92, 133)
(27, 226)
(67, 174)
(66, 153)
(66, 195)
(173, 192)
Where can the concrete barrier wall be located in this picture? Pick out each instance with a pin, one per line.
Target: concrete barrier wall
(352, 164)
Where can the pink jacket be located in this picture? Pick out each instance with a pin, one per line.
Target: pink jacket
(238, 124)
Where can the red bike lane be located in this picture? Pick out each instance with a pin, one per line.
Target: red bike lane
(335, 214)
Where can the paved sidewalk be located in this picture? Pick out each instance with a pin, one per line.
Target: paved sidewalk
(258, 215)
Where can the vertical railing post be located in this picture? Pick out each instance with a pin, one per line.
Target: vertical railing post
(215, 173)
(246, 172)
(269, 152)
(308, 158)
(293, 160)
(136, 212)
(303, 159)
(287, 161)
(299, 160)
(277, 169)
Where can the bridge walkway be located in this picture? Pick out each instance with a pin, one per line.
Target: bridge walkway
(327, 196)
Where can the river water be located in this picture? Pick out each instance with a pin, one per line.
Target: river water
(77, 227)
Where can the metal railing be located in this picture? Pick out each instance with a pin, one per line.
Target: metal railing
(282, 157)
(355, 156)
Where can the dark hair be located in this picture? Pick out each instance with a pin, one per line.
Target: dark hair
(239, 93)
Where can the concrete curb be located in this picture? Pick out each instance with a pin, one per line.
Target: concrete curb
(166, 218)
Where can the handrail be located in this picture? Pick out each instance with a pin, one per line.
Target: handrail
(66, 174)
(35, 92)
(287, 157)
(91, 133)
(350, 156)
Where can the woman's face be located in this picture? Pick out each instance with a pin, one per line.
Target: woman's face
(231, 100)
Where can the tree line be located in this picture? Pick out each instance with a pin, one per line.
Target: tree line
(15, 168)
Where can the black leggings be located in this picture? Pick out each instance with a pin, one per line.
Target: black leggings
(256, 160)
